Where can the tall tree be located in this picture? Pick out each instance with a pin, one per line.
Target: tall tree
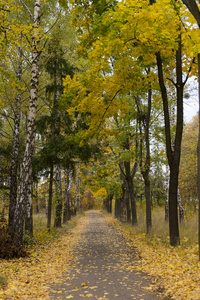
(18, 223)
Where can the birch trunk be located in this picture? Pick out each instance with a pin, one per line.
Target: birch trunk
(15, 146)
(19, 215)
(29, 205)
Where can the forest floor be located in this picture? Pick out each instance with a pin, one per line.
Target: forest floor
(101, 258)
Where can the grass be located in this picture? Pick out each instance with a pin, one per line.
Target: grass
(160, 228)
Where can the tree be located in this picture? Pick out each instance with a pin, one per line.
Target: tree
(17, 228)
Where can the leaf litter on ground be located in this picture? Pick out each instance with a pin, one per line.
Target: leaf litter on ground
(30, 277)
(175, 270)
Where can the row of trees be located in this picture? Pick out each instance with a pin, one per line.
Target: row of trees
(107, 89)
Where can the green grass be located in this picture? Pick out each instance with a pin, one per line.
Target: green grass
(3, 282)
(43, 235)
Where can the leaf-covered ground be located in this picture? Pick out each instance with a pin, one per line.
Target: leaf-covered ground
(29, 278)
(101, 269)
(174, 271)
(87, 262)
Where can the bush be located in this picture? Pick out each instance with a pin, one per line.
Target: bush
(7, 248)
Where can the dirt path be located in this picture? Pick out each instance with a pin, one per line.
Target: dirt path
(100, 270)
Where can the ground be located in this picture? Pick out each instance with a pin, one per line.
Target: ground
(102, 266)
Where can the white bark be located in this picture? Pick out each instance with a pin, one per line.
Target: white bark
(18, 223)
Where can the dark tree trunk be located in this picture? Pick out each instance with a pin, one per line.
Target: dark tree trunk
(3, 207)
(117, 207)
(145, 168)
(49, 209)
(133, 202)
(37, 209)
(58, 216)
(173, 155)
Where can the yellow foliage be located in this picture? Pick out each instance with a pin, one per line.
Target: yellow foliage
(101, 193)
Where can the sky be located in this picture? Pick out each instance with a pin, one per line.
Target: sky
(191, 105)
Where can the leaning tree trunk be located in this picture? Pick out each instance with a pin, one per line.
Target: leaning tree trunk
(15, 146)
(18, 222)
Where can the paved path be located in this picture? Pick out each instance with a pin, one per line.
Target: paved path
(100, 270)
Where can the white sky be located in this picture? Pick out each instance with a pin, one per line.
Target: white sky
(191, 105)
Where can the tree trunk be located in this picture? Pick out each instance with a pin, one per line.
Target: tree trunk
(117, 207)
(148, 202)
(68, 186)
(15, 146)
(3, 207)
(167, 195)
(37, 209)
(181, 209)
(18, 223)
(146, 167)
(49, 208)
(29, 205)
(173, 155)
(58, 216)
(133, 202)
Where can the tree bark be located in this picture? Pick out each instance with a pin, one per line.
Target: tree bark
(49, 208)
(15, 146)
(68, 186)
(3, 207)
(29, 206)
(37, 209)
(19, 215)
(58, 216)
(173, 155)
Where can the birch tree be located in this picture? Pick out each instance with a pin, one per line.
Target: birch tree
(19, 215)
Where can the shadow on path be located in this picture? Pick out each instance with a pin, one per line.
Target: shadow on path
(100, 270)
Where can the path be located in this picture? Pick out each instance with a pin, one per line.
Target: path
(100, 269)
